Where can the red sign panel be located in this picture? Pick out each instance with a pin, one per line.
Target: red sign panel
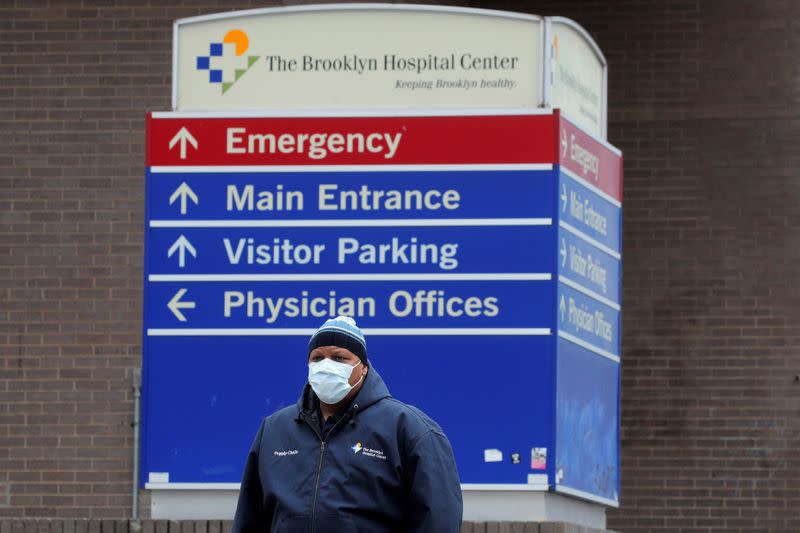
(589, 159)
(230, 141)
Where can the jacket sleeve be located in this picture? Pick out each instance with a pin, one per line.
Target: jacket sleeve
(251, 516)
(434, 501)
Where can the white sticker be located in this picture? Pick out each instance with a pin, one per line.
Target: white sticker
(492, 455)
(559, 475)
(537, 479)
(158, 477)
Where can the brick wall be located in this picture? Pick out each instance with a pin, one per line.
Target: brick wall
(704, 104)
(703, 101)
(224, 526)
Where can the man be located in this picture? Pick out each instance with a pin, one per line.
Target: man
(348, 457)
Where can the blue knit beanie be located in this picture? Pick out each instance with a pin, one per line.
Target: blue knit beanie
(342, 332)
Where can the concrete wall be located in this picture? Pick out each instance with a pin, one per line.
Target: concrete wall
(704, 103)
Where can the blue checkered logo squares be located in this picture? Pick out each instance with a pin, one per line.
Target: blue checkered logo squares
(204, 63)
(213, 62)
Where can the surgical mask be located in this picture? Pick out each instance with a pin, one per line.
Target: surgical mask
(331, 380)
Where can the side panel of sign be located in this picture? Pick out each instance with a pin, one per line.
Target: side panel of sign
(589, 158)
(587, 424)
(588, 316)
(578, 75)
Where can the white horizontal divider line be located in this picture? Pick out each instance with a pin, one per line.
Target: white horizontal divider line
(352, 223)
(591, 187)
(192, 486)
(237, 486)
(597, 244)
(457, 331)
(526, 487)
(237, 332)
(374, 112)
(591, 347)
(588, 292)
(353, 277)
(232, 169)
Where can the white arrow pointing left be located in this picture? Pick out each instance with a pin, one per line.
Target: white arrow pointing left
(175, 305)
(182, 245)
(183, 137)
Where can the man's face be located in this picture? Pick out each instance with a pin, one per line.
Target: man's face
(340, 355)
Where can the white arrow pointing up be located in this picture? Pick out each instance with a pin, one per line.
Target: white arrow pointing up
(563, 252)
(563, 198)
(182, 245)
(175, 305)
(184, 137)
(563, 307)
(183, 191)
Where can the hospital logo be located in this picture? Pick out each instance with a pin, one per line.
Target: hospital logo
(368, 452)
(226, 61)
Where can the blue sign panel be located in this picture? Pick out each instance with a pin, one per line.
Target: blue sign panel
(306, 304)
(588, 266)
(588, 346)
(583, 318)
(587, 423)
(449, 278)
(352, 194)
(584, 211)
(473, 249)
(207, 422)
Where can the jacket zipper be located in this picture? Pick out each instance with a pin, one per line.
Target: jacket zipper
(319, 467)
(316, 484)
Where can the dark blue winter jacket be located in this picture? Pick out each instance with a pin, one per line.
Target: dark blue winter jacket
(384, 466)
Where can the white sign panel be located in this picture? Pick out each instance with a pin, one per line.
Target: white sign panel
(578, 74)
(358, 56)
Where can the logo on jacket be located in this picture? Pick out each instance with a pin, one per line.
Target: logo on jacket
(368, 452)
(226, 61)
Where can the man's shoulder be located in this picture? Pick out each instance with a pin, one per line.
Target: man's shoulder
(282, 416)
(409, 416)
